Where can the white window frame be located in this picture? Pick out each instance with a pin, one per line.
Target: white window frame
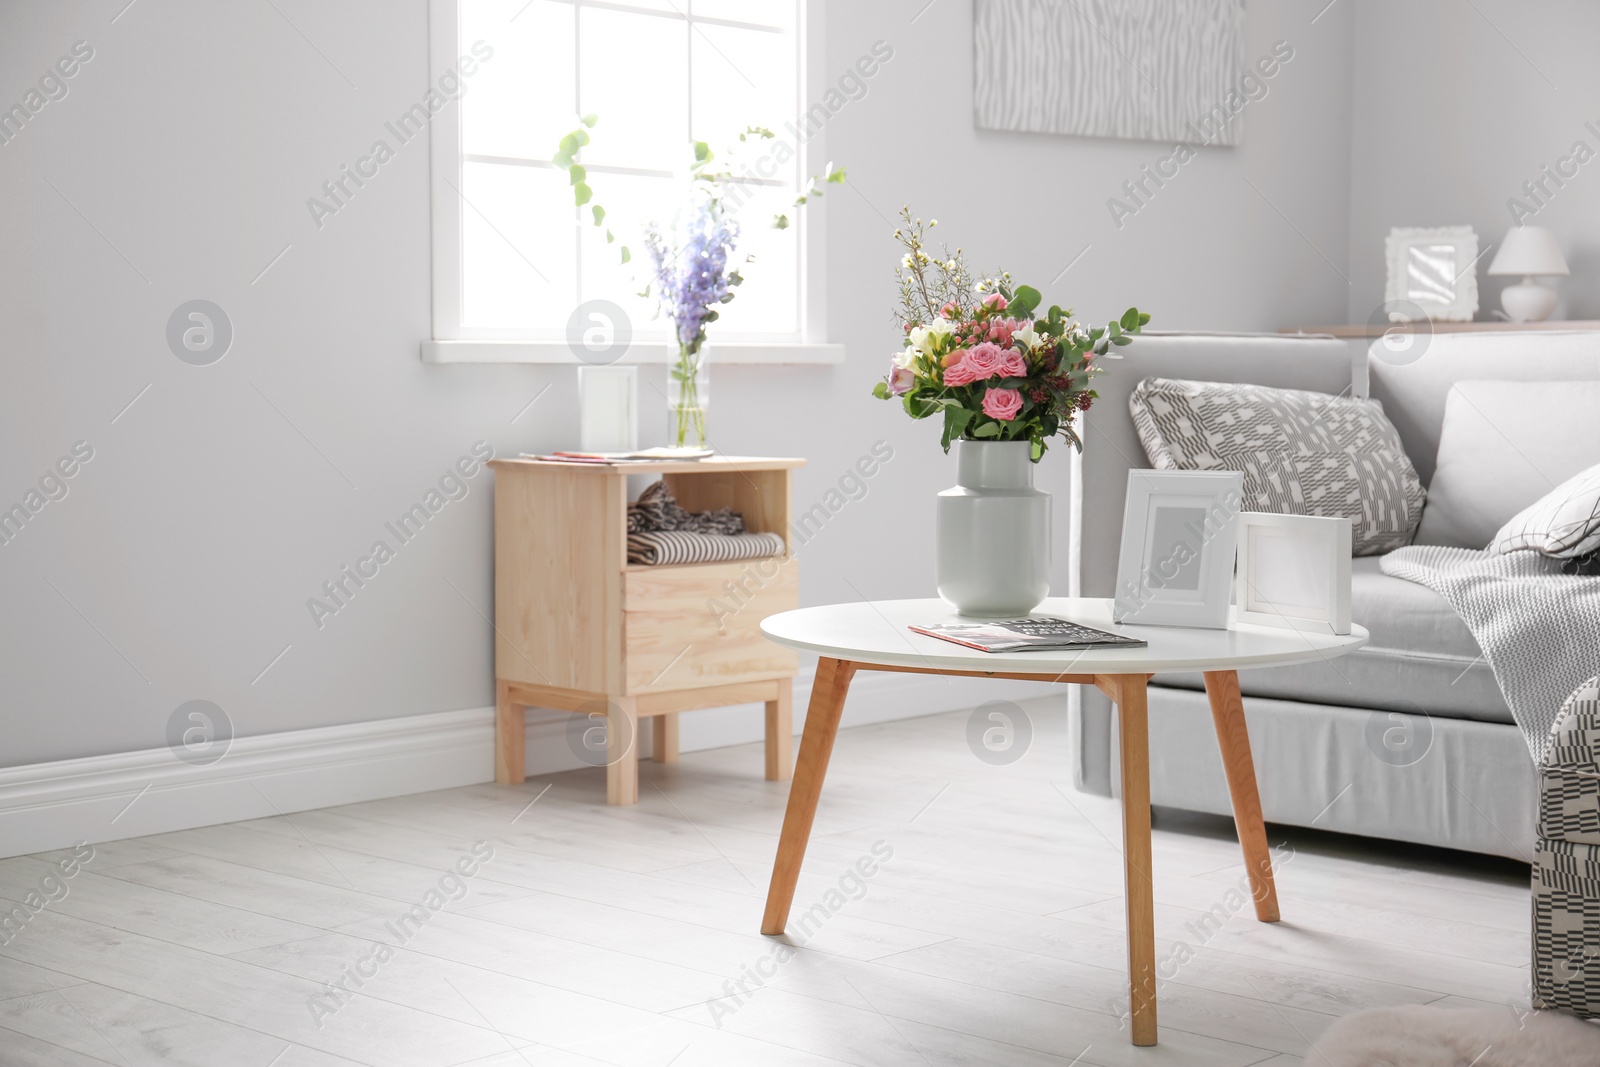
(453, 343)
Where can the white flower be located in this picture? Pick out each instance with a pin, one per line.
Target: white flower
(904, 357)
(923, 338)
(1026, 336)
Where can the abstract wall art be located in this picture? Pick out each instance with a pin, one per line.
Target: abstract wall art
(1131, 69)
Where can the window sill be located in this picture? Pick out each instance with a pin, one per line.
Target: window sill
(557, 352)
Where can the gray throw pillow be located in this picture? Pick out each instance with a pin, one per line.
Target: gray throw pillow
(1565, 523)
(1301, 453)
(1504, 445)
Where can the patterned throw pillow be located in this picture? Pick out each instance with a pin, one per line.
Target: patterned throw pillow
(1564, 522)
(1301, 453)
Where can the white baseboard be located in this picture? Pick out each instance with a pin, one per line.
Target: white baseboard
(131, 794)
(107, 798)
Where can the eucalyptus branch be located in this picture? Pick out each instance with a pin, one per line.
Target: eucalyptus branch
(566, 158)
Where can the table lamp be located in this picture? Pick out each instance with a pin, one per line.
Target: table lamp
(1528, 250)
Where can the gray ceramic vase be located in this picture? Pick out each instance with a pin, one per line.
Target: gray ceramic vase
(992, 530)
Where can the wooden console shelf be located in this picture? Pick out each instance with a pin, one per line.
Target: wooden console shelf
(579, 629)
(1370, 332)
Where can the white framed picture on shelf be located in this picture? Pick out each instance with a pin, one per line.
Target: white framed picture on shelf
(1432, 270)
(1294, 572)
(1178, 540)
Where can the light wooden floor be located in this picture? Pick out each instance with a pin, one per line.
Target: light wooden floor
(615, 936)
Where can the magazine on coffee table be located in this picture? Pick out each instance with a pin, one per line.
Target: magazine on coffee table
(1034, 633)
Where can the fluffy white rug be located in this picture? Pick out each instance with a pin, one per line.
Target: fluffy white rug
(1420, 1036)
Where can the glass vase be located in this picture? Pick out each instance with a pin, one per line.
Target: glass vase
(688, 395)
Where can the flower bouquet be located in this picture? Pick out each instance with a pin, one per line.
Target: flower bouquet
(975, 352)
(693, 263)
(1005, 382)
(693, 272)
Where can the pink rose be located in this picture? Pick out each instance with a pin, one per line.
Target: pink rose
(1012, 365)
(984, 359)
(960, 374)
(954, 356)
(948, 311)
(994, 302)
(901, 379)
(1002, 404)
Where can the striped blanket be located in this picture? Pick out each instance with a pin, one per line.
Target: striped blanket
(1539, 628)
(685, 546)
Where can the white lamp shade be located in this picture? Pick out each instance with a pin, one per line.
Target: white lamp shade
(1529, 250)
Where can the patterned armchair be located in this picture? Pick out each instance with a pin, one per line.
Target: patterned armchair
(1566, 861)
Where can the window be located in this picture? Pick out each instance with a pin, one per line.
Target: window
(514, 256)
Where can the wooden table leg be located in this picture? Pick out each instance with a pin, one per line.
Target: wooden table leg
(1233, 737)
(622, 751)
(664, 748)
(1128, 690)
(780, 732)
(816, 745)
(510, 761)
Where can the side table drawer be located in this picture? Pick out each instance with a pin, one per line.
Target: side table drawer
(700, 624)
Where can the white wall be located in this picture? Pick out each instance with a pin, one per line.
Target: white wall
(179, 564)
(1456, 106)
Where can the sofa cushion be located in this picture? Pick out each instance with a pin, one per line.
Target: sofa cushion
(1301, 453)
(1564, 522)
(1420, 658)
(1502, 447)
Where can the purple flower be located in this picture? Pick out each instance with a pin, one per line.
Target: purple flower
(901, 380)
(692, 272)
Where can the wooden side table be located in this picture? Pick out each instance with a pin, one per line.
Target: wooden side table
(579, 628)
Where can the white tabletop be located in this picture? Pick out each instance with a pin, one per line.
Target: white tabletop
(876, 632)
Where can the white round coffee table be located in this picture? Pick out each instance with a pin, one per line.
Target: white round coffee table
(875, 636)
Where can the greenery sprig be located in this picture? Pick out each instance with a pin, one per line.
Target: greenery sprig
(703, 168)
(566, 158)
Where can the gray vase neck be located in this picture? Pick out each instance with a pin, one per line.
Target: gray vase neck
(994, 464)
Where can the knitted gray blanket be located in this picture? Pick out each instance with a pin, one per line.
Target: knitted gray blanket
(1539, 629)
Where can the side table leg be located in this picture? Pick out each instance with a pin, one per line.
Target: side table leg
(622, 751)
(780, 732)
(1233, 738)
(1128, 690)
(665, 746)
(510, 761)
(816, 745)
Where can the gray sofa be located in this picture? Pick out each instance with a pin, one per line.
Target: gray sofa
(1407, 739)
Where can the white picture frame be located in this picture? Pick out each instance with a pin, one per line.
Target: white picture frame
(1179, 532)
(1294, 572)
(1432, 270)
